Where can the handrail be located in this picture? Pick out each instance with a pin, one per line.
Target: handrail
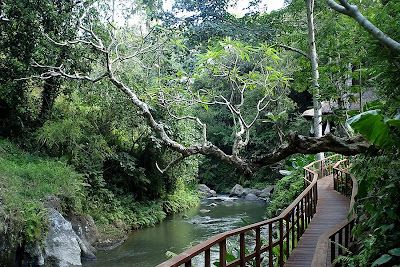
(334, 236)
(290, 225)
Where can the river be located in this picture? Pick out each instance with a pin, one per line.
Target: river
(147, 247)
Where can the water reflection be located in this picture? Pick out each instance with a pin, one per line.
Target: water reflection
(147, 247)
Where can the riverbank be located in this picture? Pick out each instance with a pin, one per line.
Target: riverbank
(44, 200)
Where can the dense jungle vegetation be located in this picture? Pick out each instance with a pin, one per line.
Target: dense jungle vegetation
(120, 109)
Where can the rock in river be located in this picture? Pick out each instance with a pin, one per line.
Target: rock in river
(237, 190)
(204, 211)
(206, 191)
(61, 244)
(251, 197)
(65, 247)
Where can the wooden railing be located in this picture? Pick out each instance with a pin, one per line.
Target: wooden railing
(338, 237)
(283, 231)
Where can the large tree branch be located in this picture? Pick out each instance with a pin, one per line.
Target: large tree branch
(352, 11)
(311, 145)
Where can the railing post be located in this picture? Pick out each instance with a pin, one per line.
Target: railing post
(242, 251)
(222, 253)
(302, 215)
(334, 179)
(293, 231)
(340, 242)
(270, 242)
(258, 247)
(298, 221)
(281, 242)
(351, 227)
(308, 208)
(333, 248)
(287, 236)
(207, 258)
(315, 198)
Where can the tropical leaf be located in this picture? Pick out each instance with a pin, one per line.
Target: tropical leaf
(373, 126)
(382, 260)
(395, 252)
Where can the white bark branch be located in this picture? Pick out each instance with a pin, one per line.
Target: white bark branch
(170, 165)
(352, 11)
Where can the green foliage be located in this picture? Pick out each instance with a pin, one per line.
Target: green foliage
(286, 190)
(349, 259)
(34, 221)
(26, 182)
(290, 186)
(382, 260)
(124, 209)
(180, 200)
(377, 128)
(22, 40)
(77, 135)
(207, 20)
(378, 205)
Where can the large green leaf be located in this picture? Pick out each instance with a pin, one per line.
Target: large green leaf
(395, 252)
(373, 126)
(382, 260)
(394, 122)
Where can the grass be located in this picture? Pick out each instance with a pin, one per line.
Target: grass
(26, 181)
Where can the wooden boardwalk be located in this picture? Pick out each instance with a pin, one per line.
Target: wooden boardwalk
(332, 208)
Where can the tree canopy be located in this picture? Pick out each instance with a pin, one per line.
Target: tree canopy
(136, 106)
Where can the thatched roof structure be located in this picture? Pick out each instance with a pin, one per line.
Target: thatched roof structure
(326, 107)
(367, 95)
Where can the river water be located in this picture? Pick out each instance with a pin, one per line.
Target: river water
(147, 247)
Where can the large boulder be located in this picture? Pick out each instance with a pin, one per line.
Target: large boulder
(62, 245)
(237, 190)
(86, 230)
(266, 193)
(247, 191)
(251, 197)
(203, 188)
(206, 191)
(67, 243)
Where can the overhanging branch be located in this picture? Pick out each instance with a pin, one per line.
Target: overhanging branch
(311, 145)
(352, 11)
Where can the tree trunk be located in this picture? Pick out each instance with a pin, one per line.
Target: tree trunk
(317, 122)
(50, 92)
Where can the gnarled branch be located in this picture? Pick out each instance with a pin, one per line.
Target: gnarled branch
(311, 145)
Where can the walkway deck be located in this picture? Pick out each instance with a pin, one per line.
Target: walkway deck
(332, 208)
